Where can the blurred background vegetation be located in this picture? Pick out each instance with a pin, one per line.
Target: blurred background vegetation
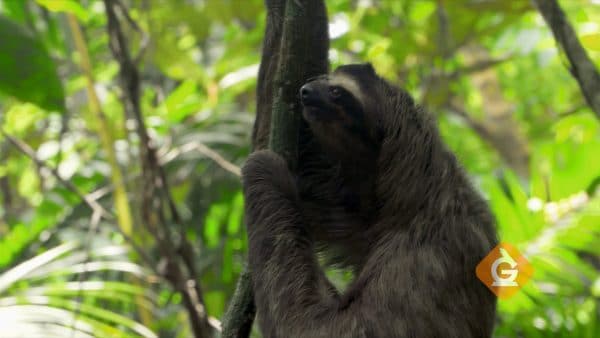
(95, 243)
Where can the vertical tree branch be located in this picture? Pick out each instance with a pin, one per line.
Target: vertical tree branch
(285, 113)
(121, 200)
(180, 270)
(582, 67)
(237, 321)
(266, 73)
(294, 49)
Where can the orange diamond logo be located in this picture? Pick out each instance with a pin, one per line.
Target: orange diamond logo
(504, 270)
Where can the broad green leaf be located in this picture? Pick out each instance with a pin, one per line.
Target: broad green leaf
(26, 70)
(182, 101)
(28, 185)
(581, 128)
(235, 215)
(212, 224)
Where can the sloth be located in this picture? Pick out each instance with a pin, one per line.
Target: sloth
(377, 191)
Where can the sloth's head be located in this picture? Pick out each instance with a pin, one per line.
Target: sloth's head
(343, 110)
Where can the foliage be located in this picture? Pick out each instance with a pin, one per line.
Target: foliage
(37, 297)
(489, 70)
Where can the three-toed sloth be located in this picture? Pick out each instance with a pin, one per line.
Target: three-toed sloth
(377, 191)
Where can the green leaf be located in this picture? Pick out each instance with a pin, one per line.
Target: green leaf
(591, 41)
(21, 118)
(26, 70)
(235, 216)
(69, 6)
(182, 102)
(212, 224)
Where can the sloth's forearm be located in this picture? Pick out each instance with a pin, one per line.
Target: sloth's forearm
(281, 258)
(287, 280)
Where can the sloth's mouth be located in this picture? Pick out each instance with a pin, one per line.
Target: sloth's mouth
(310, 113)
(314, 113)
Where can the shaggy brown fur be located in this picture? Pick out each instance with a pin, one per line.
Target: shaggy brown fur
(377, 191)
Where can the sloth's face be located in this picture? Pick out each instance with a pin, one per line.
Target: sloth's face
(340, 110)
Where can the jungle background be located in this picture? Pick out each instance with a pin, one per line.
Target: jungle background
(123, 125)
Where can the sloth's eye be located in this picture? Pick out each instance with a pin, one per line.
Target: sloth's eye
(335, 92)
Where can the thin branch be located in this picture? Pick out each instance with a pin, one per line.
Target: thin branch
(97, 210)
(444, 36)
(204, 150)
(477, 67)
(576, 109)
(582, 67)
(156, 192)
(477, 126)
(123, 211)
(90, 199)
(27, 151)
(145, 37)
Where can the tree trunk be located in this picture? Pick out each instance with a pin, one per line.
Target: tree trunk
(294, 48)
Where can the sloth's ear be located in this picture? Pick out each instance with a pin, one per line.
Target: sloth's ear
(369, 67)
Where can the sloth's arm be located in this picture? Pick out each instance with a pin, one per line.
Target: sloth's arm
(291, 291)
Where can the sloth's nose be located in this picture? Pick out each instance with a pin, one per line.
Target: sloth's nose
(307, 93)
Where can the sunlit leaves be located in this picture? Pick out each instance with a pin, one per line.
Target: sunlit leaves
(21, 118)
(558, 302)
(183, 101)
(223, 217)
(22, 234)
(69, 6)
(580, 128)
(563, 169)
(591, 41)
(37, 294)
(174, 61)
